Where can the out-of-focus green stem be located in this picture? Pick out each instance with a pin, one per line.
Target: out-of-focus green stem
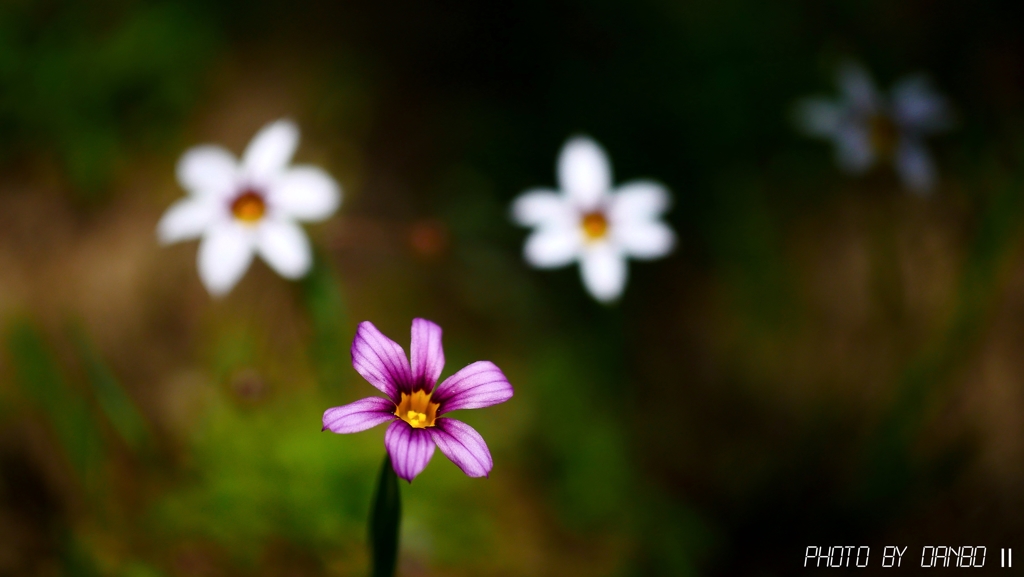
(926, 381)
(325, 304)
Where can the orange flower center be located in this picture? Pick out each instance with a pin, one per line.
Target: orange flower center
(417, 409)
(249, 206)
(884, 135)
(595, 225)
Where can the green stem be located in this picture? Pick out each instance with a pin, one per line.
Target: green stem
(385, 518)
(926, 383)
(328, 316)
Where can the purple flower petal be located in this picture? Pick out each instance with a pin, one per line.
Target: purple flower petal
(480, 384)
(359, 416)
(380, 360)
(410, 449)
(858, 89)
(854, 152)
(427, 353)
(463, 445)
(915, 167)
(919, 108)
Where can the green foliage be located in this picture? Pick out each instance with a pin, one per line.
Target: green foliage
(137, 569)
(269, 471)
(76, 559)
(893, 472)
(591, 471)
(321, 293)
(111, 397)
(38, 375)
(95, 81)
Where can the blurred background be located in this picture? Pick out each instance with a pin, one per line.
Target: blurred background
(824, 359)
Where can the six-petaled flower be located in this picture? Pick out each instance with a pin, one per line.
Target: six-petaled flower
(415, 402)
(590, 222)
(249, 207)
(867, 127)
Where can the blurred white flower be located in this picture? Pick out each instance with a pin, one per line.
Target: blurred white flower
(250, 207)
(587, 221)
(867, 127)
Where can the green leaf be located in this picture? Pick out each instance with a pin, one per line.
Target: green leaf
(77, 560)
(138, 569)
(385, 519)
(38, 375)
(111, 397)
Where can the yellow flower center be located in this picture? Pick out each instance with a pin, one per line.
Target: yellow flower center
(417, 409)
(249, 206)
(595, 225)
(884, 135)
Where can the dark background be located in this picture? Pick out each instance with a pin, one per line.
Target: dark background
(823, 360)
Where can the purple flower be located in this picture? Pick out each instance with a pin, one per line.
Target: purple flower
(868, 126)
(414, 404)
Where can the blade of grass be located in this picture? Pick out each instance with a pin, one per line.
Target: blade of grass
(112, 399)
(38, 375)
(924, 384)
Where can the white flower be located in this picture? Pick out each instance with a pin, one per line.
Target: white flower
(244, 208)
(587, 221)
(867, 127)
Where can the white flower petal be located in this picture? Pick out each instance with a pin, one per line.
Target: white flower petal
(270, 151)
(917, 107)
(285, 247)
(604, 271)
(915, 166)
(584, 173)
(552, 247)
(640, 200)
(186, 219)
(819, 117)
(854, 152)
(644, 240)
(542, 207)
(305, 193)
(858, 89)
(207, 170)
(224, 255)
